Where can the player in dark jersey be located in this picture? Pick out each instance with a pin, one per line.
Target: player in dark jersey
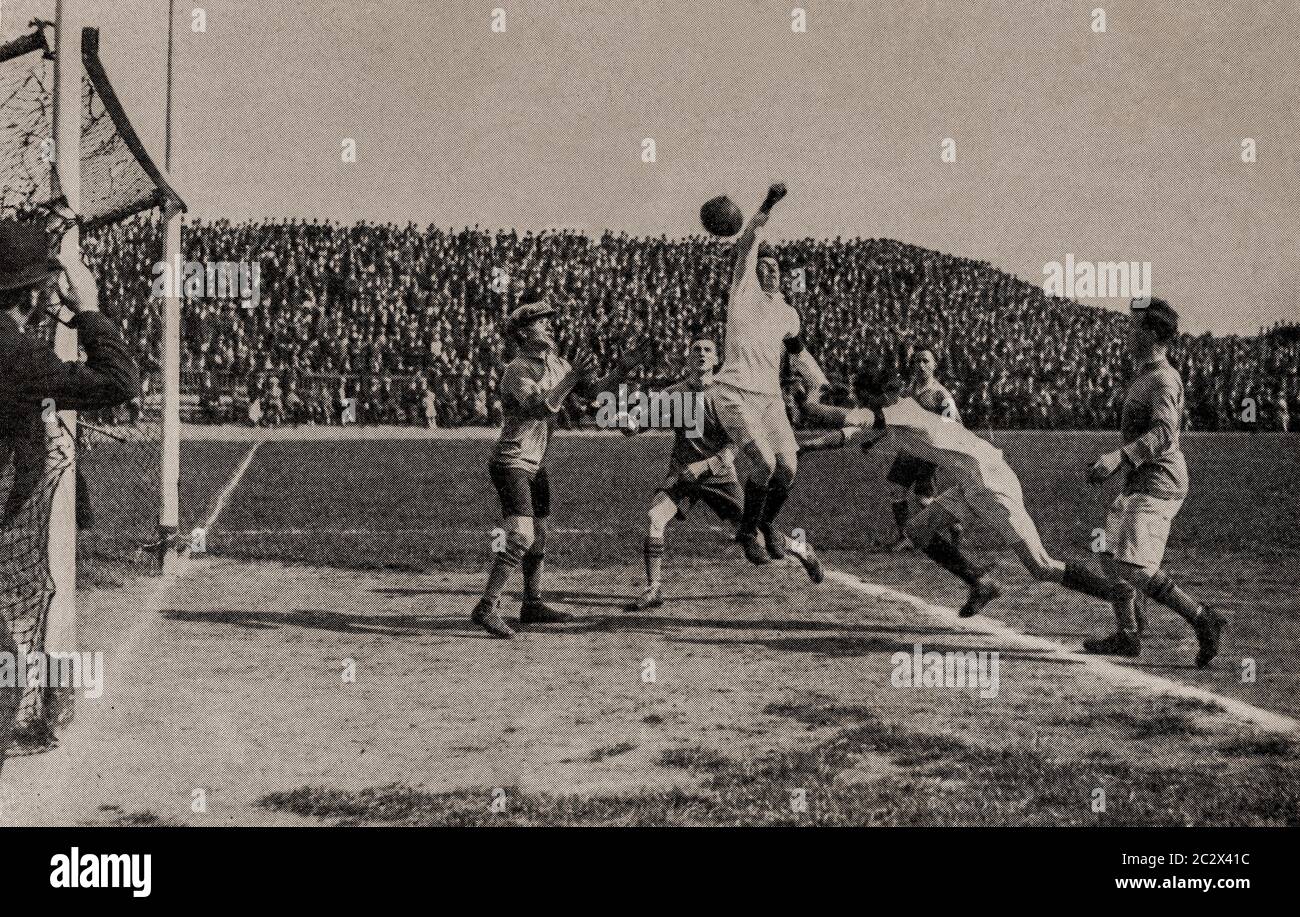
(1155, 486)
(701, 470)
(911, 476)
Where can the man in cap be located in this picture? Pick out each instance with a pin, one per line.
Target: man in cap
(533, 388)
(1155, 485)
(33, 283)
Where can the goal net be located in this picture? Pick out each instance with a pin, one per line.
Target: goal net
(118, 452)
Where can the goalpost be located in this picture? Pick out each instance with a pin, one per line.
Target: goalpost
(124, 464)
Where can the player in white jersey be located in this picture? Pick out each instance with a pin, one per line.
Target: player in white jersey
(986, 488)
(701, 470)
(761, 325)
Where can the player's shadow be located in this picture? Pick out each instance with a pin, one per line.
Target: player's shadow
(381, 625)
(850, 644)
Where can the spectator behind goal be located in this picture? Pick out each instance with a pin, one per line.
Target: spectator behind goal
(30, 284)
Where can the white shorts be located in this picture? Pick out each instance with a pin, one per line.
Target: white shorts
(1137, 528)
(751, 417)
(999, 502)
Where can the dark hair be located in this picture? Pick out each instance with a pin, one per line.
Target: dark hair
(1160, 319)
(15, 299)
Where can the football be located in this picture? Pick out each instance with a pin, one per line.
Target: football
(721, 216)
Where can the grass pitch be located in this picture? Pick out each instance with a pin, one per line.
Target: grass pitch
(770, 703)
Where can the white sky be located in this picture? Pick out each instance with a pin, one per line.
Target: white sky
(1121, 146)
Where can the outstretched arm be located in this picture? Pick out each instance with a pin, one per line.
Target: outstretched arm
(836, 439)
(747, 245)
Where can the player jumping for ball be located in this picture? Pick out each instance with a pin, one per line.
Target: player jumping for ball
(748, 398)
(701, 470)
(986, 488)
(533, 389)
(1155, 485)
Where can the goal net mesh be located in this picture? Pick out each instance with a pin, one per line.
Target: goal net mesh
(118, 451)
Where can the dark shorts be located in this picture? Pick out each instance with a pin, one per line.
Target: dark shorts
(522, 493)
(725, 498)
(913, 472)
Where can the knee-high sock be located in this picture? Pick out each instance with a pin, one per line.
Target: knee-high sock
(533, 562)
(503, 565)
(777, 491)
(1161, 588)
(654, 559)
(755, 498)
(1118, 592)
(945, 554)
(1121, 601)
(902, 512)
(1081, 579)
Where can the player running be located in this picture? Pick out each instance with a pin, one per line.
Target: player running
(748, 397)
(701, 470)
(533, 389)
(911, 476)
(986, 488)
(1155, 485)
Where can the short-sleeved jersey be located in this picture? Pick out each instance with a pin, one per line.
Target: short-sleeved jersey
(1150, 423)
(945, 443)
(712, 442)
(525, 435)
(757, 325)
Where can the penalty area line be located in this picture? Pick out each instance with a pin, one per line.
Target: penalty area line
(1102, 668)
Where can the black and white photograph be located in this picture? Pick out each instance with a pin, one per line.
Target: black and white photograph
(556, 414)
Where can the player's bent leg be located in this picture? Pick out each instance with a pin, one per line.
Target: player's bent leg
(1142, 529)
(763, 463)
(1207, 622)
(926, 530)
(1128, 615)
(899, 480)
(778, 490)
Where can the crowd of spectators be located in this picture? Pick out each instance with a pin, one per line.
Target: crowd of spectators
(380, 323)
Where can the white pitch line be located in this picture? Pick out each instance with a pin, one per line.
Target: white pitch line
(230, 486)
(1104, 669)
